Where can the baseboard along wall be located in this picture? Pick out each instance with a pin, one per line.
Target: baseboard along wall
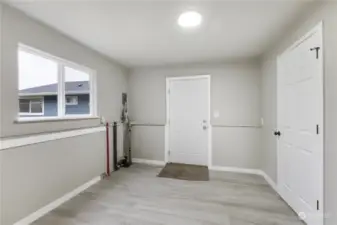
(218, 168)
(53, 205)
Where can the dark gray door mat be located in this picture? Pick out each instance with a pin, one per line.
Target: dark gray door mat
(185, 172)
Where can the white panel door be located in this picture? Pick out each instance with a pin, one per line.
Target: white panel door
(188, 120)
(300, 121)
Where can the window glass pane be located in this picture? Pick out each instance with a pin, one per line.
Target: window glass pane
(24, 105)
(38, 77)
(36, 106)
(77, 90)
(71, 100)
(49, 106)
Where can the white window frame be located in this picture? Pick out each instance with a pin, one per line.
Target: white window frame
(72, 96)
(61, 103)
(30, 106)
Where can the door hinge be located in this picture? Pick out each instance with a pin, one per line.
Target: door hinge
(317, 51)
(317, 205)
(317, 129)
(168, 91)
(169, 152)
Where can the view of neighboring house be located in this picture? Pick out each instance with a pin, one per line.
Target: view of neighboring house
(42, 100)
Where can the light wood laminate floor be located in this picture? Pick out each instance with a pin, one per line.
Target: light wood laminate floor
(135, 196)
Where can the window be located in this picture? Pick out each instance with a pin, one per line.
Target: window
(77, 82)
(30, 107)
(53, 87)
(71, 100)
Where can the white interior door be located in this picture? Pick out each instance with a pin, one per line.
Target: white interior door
(300, 122)
(188, 120)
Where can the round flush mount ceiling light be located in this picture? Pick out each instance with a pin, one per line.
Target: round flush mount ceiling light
(190, 19)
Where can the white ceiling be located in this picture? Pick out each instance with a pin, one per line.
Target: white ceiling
(145, 33)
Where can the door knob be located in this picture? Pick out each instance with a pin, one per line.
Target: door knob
(277, 133)
(204, 124)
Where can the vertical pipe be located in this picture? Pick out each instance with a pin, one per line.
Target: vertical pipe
(129, 140)
(107, 151)
(115, 146)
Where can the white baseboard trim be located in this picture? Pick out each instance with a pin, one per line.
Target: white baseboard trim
(269, 181)
(247, 171)
(53, 205)
(218, 168)
(235, 170)
(149, 162)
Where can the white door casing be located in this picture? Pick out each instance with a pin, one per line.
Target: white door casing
(300, 121)
(188, 130)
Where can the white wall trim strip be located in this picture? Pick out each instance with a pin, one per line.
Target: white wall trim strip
(43, 211)
(34, 139)
(270, 181)
(235, 170)
(248, 171)
(149, 162)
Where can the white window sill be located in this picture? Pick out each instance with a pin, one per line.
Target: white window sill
(53, 119)
(31, 114)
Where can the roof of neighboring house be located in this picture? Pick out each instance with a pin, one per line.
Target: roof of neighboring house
(74, 87)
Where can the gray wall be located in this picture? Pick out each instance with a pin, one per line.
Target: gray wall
(327, 12)
(269, 113)
(235, 93)
(35, 175)
(18, 28)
